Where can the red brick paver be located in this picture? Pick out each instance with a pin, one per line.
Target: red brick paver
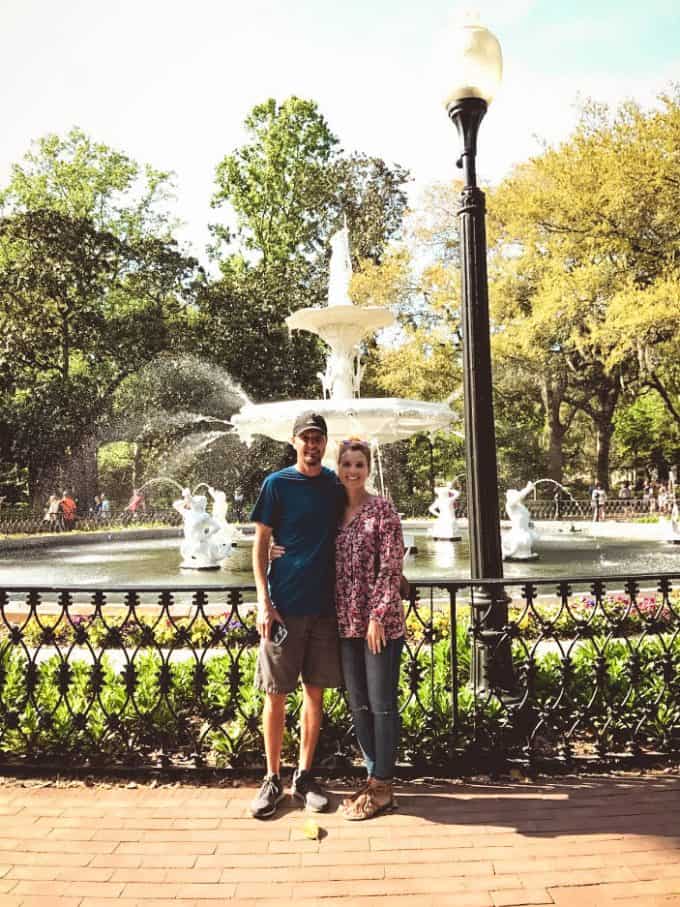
(611, 841)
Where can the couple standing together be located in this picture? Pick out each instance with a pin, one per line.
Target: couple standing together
(334, 585)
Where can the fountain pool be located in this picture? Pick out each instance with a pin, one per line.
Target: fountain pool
(154, 561)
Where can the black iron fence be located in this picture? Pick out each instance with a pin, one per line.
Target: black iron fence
(17, 520)
(164, 677)
(577, 509)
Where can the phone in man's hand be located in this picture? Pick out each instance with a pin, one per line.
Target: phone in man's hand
(278, 633)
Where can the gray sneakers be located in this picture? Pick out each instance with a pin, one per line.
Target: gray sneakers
(268, 798)
(305, 788)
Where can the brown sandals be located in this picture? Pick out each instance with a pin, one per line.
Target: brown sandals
(349, 801)
(373, 798)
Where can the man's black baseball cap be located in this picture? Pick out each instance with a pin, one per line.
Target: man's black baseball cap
(311, 420)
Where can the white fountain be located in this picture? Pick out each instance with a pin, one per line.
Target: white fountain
(343, 325)
(517, 543)
(445, 526)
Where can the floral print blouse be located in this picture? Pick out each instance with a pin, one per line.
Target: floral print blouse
(369, 555)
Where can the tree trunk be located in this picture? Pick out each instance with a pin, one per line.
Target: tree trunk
(136, 465)
(555, 454)
(82, 477)
(552, 397)
(603, 434)
(607, 397)
(41, 485)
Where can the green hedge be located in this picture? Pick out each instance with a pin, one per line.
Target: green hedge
(601, 694)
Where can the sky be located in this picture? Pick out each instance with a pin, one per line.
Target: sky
(171, 82)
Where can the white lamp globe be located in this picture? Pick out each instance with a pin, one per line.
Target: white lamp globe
(477, 64)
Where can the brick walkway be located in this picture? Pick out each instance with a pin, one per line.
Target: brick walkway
(586, 842)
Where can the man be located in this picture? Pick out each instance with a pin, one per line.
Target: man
(67, 508)
(297, 508)
(625, 495)
(597, 499)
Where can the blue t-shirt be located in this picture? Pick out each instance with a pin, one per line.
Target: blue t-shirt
(303, 512)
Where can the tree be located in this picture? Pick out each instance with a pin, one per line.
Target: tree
(80, 310)
(92, 285)
(289, 188)
(644, 435)
(573, 230)
(275, 182)
(370, 196)
(419, 279)
(645, 324)
(87, 180)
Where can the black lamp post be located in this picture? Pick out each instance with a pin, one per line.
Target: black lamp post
(479, 66)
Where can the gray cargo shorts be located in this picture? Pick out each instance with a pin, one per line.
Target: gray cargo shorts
(311, 651)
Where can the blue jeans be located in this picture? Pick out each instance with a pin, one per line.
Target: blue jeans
(372, 683)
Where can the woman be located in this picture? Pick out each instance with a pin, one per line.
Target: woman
(51, 516)
(369, 554)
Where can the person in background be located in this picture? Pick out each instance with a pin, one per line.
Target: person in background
(52, 514)
(597, 499)
(625, 496)
(558, 499)
(136, 504)
(238, 505)
(104, 506)
(653, 492)
(67, 509)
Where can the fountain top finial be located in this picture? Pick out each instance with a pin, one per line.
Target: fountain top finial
(340, 268)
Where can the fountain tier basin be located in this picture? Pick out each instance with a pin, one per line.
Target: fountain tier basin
(383, 419)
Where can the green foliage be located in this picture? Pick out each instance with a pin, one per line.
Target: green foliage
(290, 189)
(644, 434)
(412, 468)
(273, 182)
(584, 268)
(592, 692)
(91, 287)
(115, 466)
(83, 179)
(241, 327)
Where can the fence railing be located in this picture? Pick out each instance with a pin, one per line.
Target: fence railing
(576, 509)
(156, 676)
(14, 520)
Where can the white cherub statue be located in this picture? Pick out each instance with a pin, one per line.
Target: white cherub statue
(220, 505)
(206, 543)
(444, 508)
(517, 544)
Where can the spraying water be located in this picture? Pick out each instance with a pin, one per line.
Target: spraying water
(557, 485)
(158, 480)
